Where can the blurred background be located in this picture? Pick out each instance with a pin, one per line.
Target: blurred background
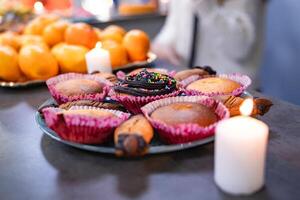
(280, 66)
(279, 71)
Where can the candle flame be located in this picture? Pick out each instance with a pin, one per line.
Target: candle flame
(247, 107)
(38, 7)
(98, 45)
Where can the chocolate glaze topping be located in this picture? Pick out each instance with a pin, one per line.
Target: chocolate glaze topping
(146, 83)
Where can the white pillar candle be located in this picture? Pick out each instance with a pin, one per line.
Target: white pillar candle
(98, 59)
(240, 151)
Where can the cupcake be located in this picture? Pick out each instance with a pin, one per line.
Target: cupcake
(195, 71)
(72, 87)
(185, 112)
(139, 89)
(186, 118)
(108, 76)
(233, 84)
(84, 124)
(95, 104)
(157, 70)
(121, 74)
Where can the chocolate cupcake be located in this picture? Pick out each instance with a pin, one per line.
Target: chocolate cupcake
(141, 88)
(186, 118)
(72, 87)
(146, 83)
(121, 75)
(157, 70)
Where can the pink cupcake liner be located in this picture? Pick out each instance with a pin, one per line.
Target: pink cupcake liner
(183, 133)
(134, 103)
(243, 80)
(83, 129)
(61, 98)
(172, 73)
(185, 82)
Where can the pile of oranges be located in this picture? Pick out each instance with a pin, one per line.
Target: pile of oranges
(49, 46)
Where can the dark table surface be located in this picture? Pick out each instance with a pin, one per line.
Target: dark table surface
(33, 166)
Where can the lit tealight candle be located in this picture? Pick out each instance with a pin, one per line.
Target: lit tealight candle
(240, 152)
(98, 59)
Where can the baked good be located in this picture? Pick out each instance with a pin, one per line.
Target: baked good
(89, 112)
(91, 103)
(135, 91)
(185, 113)
(75, 86)
(261, 105)
(78, 87)
(84, 124)
(158, 70)
(183, 119)
(133, 136)
(200, 71)
(108, 76)
(214, 85)
(146, 83)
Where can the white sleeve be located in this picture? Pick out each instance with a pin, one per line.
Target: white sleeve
(167, 34)
(235, 24)
(205, 7)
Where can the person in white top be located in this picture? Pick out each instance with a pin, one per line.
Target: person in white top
(229, 35)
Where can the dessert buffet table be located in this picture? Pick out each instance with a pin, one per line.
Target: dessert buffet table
(33, 166)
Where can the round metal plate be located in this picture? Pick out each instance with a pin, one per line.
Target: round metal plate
(156, 146)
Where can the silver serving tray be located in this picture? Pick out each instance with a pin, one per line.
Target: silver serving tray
(156, 146)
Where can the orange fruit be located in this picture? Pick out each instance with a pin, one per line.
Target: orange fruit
(37, 62)
(98, 32)
(137, 44)
(37, 25)
(54, 33)
(116, 29)
(81, 34)
(71, 58)
(111, 35)
(32, 39)
(9, 68)
(130, 9)
(118, 54)
(11, 39)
